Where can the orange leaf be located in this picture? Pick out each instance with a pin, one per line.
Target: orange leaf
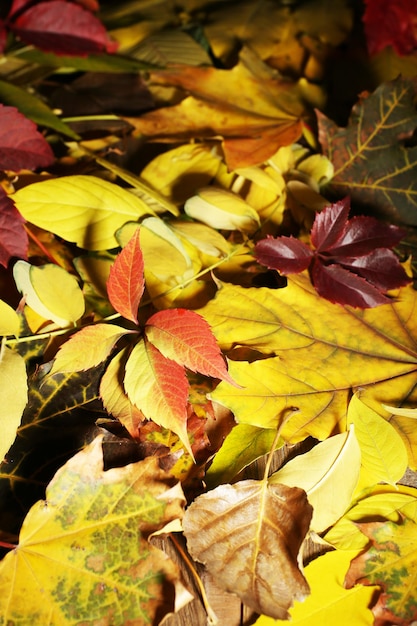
(126, 282)
(159, 388)
(186, 338)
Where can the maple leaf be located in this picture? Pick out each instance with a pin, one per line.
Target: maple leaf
(13, 237)
(21, 144)
(391, 23)
(390, 562)
(59, 26)
(249, 536)
(94, 527)
(372, 161)
(351, 263)
(126, 281)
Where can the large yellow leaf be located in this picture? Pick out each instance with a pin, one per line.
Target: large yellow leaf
(83, 554)
(329, 602)
(82, 209)
(333, 472)
(9, 320)
(13, 396)
(249, 536)
(325, 351)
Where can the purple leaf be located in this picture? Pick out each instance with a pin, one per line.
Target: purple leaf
(329, 225)
(381, 268)
(285, 254)
(364, 234)
(341, 286)
(13, 237)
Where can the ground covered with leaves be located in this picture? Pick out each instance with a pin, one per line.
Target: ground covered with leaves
(208, 218)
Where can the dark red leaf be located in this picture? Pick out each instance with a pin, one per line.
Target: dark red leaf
(21, 145)
(341, 286)
(285, 254)
(13, 237)
(363, 234)
(381, 268)
(329, 225)
(63, 28)
(3, 36)
(391, 23)
(18, 6)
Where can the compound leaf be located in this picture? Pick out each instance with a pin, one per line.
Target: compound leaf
(126, 281)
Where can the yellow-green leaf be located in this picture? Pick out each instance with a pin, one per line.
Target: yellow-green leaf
(9, 320)
(50, 291)
(329, 601)
(384, 455)
(222, 209)
(83, 554)
(13, 396)
(85, 210)
(333, 472)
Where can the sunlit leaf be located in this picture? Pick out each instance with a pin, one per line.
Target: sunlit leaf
(50, 291)
(222, 209)
(329, 601)
(159, 388)
(82, 209)
(390, 562)
(126, 282)
(333, 472)
(249, 536)
(13, 396)
(9, 320)
(63, 551)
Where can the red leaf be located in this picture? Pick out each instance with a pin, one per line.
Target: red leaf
(63, 28)
(126, 281)
(363, 234)
(391, 23)
(285, 254)
(329, 225)
(3, 36)
(21, 145)
(13, 237)
(185, 337)
(339, 285)
(381, 268)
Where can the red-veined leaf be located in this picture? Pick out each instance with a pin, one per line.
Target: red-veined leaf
(88, 347)
(13, 237)
(329, 225)
(63, 28)
(159, 388)
(21, 145)
(185, 337)
(381, 268)
(126, 281)
(339, 285)
(285, 254)
(363, 234)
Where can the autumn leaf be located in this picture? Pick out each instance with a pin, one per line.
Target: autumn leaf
(13, 396)
(351, 263)
(21, 145)
(185, 337)
(390, 23)
(373, 163)
(13, 237)
(126, 281)
(315, 357)
(267, 114)
(159, 388)
(390, 562)
(61, 27)
(249, 535)
(9, 320)
(63, 547)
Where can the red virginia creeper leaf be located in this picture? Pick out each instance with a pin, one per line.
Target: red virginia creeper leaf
(159, 388)
(13, 237)
(63, 28)
(126, 281)
(329, 225)
(339, 285)
(381, 268)
(391, 23)
(363, 234)
(21, 145)
(186, 338)
(285, 254)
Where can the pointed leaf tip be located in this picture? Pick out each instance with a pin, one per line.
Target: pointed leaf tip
(126, 281)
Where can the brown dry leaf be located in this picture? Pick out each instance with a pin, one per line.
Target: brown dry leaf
(251, 107)
(249, 536)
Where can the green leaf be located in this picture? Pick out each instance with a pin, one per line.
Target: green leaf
(83, 554)
(33, 108)
(372, 162)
